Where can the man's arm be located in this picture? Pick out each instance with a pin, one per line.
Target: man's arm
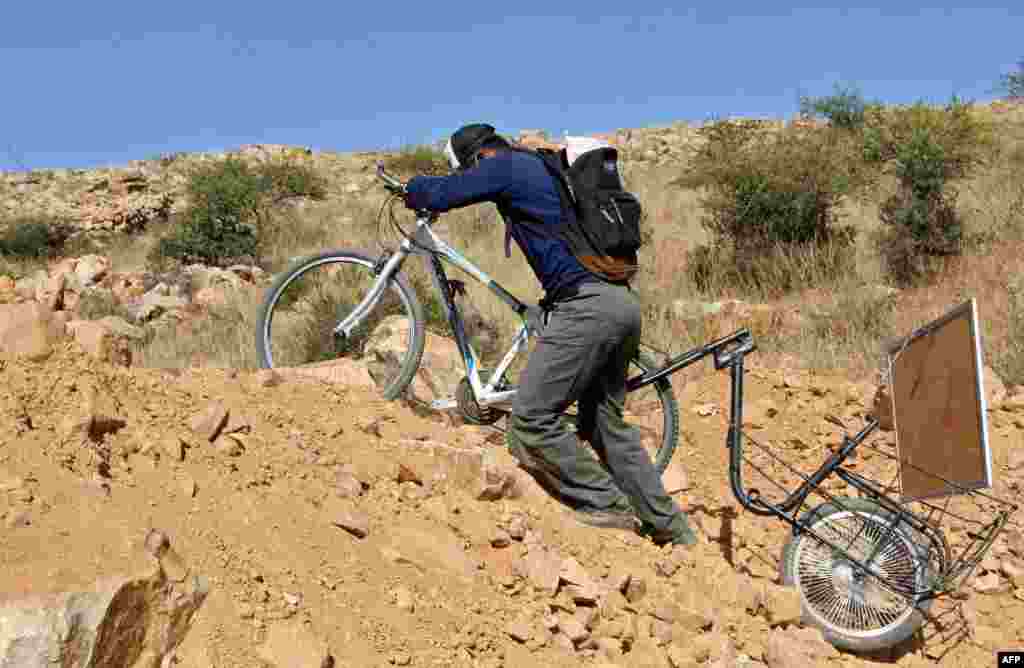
(481, 183)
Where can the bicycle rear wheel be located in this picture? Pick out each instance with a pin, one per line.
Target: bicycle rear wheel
(295, 326)
(653, 410)
(854, 610)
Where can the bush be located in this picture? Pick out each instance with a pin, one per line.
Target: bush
(771, 195)
(229, 206)
(926, 149)
(1013, 83)
(32, 238)
(415, 160)
(845, 109)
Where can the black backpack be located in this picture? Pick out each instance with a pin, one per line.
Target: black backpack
(605, 234)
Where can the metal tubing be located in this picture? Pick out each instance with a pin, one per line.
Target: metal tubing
(373, 296)
(686, 359)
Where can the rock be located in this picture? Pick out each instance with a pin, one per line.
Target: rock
(989, 584)
(881, 409)
(344, 372)
(101, 341)
(50, 292)
(461, 467)
(1015, 402)
(403, 599)
(520, 629)
(572, 628)
(661, 632)
(91, 269)
(674, 478)
(645, 653)
(760, 414)
(347, 486)
(354, 522)
(173, 448)
(636, 589)
(542, 569)
(29, 330)
(782, 605)
(267, 378)
(440, 370)
(101, 416)
(797, 648)
(230, 445)
(406, 474)
(290, 645)
(154, 306)
(573, 572)
(17, 518)
(995, 389)
(517, 527)
(440, 551)
(131, 620)
(188, 486)
(28, 287)
(208, 424)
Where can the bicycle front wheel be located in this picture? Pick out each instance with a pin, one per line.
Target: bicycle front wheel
(297, 321)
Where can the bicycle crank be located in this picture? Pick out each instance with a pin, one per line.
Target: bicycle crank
(471, 411)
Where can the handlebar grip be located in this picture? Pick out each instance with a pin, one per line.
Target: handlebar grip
(391, 181)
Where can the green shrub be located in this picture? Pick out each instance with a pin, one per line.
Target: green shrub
(845, 109)
(1013, 83)
(414, 160)
(769, 195)
(230, 203)
(32, 237)
(925, 149)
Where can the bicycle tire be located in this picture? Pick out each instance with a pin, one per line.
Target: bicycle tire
(903, 551)
(410, 361)
(670, 413)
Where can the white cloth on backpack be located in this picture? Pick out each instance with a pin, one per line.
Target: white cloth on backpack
(577, 146)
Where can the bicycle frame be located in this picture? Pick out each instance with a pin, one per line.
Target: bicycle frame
(433, 249)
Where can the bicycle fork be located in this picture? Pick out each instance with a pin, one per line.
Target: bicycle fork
(369, 302)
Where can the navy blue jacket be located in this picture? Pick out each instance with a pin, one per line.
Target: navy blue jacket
(527, 197)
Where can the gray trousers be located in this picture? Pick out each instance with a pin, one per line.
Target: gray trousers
(582, 355)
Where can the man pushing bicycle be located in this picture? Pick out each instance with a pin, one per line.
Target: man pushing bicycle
(591, 331)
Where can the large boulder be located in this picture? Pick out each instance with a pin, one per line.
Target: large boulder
(133, 620)
(30, 329)
(440, 370)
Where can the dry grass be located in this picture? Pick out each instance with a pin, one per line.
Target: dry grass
(223, 337)
(837, 323)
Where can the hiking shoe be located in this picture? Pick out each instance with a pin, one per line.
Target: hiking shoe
(525, 459)
(680, 533)
(607, 519)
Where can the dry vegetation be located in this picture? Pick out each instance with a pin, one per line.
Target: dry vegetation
(839, 306)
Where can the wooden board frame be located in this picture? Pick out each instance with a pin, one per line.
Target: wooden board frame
(936, 377)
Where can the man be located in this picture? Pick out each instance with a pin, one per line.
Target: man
(582, 353)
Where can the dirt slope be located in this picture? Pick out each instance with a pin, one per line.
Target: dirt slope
(426, 573)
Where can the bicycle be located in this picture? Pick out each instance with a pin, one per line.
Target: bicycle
(867, 567)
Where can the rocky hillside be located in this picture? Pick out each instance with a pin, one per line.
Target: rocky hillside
(308, 519)
(222, 518)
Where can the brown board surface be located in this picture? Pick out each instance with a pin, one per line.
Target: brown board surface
(939, 407)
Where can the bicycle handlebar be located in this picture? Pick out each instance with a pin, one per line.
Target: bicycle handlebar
(390, 182)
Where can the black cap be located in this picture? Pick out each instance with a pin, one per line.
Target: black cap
(468, 140)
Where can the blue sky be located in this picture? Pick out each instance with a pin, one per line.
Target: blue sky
(105, 82)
